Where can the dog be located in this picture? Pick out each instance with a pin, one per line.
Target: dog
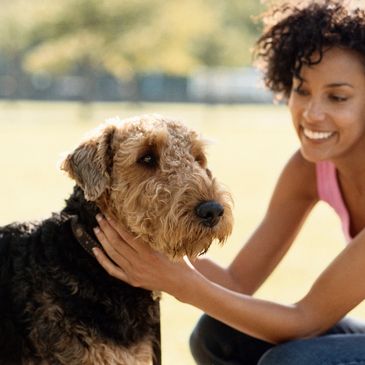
(58, 306)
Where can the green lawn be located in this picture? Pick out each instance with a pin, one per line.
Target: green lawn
(250, 146)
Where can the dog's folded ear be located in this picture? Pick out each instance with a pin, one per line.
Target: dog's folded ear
(91, 163)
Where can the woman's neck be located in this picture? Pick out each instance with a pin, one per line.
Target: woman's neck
(352, 173)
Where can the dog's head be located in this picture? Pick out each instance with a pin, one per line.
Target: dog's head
(150, 173)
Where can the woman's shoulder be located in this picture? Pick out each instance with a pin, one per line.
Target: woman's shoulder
(300, 177)
(298, 162)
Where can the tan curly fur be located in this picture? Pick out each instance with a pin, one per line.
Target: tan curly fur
(157, 204)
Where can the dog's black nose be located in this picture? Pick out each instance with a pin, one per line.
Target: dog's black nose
(209, 212)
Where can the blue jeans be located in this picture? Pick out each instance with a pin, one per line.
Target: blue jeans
(214, 343)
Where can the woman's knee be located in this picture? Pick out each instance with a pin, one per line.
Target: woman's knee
(203, 339)
(213, 342)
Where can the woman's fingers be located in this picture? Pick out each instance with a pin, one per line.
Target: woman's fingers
(109, 266)
(115, 252)
(125, 257)
(118, 266)
(125, 235)
(110, 233)
(114, 234)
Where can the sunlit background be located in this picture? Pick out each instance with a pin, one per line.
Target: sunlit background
(130, 50)
(67, 65)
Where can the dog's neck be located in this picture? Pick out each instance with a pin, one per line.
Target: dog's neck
(85, 240)
(86, 210)
(82, 217)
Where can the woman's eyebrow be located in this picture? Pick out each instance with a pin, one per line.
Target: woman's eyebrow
(330, 85)
(339, 84)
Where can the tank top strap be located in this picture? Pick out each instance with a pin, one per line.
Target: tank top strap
(330, 192)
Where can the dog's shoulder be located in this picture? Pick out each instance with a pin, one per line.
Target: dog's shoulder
(17, 229)
(14, 235)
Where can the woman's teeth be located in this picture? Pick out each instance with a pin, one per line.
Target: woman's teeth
(317, 135)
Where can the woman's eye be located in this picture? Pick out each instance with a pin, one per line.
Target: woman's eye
(337, 98)
(148, 160)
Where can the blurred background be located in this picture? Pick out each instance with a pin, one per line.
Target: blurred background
(67, 65)
(129, 50)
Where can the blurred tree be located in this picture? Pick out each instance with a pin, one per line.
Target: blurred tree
(136, 35)
(17, 18)
(234, 35)
(125, 37)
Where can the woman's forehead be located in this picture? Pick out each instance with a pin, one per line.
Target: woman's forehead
(335, 65)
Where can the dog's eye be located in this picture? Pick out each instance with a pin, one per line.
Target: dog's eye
(149, 160)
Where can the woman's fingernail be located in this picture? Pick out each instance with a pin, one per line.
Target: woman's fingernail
(96, 229)
(95, 251)
(99, 217)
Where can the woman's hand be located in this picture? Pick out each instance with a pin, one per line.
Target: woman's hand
(133, 261)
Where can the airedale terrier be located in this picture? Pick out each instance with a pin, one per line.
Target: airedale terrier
(57, 304)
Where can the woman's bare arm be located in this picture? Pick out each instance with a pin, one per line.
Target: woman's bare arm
(293, 198)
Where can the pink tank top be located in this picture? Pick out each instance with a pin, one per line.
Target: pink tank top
(329, 191)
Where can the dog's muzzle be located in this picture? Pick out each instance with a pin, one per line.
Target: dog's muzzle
(209, 212)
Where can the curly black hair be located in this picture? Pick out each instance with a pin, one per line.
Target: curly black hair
(301, 31)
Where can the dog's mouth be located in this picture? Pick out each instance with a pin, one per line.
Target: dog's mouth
(193, 240)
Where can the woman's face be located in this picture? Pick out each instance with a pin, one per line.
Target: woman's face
(328, 108)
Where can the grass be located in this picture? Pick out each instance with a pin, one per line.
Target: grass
(251, 145)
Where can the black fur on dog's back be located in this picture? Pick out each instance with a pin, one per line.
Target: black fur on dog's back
(49, 283)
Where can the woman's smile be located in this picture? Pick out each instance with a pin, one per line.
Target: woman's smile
(317, 135)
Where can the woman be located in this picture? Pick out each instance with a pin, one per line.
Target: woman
(314, 56)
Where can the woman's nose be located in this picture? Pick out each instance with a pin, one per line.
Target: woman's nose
(313, 111)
